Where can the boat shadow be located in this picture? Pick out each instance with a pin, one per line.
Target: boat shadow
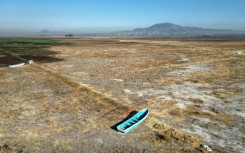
(114, 127)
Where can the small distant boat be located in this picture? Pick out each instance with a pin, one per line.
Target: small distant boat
(17, 65)
(133, 122)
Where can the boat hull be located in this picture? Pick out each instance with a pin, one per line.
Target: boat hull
(17, 65)
(133, 122)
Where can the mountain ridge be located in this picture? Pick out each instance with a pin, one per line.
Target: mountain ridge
(44, 31)
(174, 30)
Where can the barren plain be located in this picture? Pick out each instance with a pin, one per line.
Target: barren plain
(79, 89)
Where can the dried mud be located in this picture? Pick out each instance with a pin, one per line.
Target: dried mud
(194, 89)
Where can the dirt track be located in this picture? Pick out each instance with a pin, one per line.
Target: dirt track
(72, 105)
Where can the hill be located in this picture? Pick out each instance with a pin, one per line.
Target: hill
(173, 30)
(44, 31)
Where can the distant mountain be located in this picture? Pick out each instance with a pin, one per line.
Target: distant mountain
(173, 30)
(162, 27)
(157, 30)
(44, 31)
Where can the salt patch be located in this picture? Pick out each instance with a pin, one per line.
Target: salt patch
(191, 69)
(146, 84)
(240, 114)
(127, 91)
(181, 105)
(120, 80)
(185, 59)
(240, 52)
(223, 137)
(140, 95)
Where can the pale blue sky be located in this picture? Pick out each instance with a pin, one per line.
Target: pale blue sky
(113, 15)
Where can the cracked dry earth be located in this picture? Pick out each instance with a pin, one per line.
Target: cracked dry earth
(194, 89)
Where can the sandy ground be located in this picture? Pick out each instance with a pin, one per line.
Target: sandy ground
(194, 89)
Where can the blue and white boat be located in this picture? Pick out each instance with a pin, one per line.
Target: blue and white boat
(133, 122)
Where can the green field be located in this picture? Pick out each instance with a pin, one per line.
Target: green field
(27, 49)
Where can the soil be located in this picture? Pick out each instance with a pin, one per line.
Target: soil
(194, 90)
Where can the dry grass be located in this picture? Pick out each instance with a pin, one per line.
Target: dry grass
(44, 108)
(197, 101)
(143, 64)
(171, 80)
(219, 116)
(168, 108)
(164, 134)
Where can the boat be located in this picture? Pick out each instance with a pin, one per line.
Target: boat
(17, 65)
(133, 122)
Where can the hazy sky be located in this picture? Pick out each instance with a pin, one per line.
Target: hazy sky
(113, 15)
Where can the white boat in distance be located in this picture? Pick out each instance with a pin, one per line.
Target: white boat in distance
(16, 65)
